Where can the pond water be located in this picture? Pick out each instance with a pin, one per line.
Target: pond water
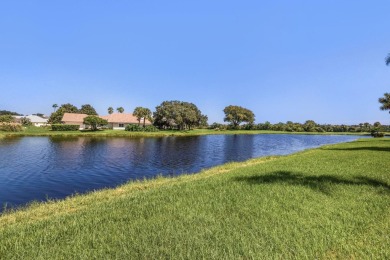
(37, 168)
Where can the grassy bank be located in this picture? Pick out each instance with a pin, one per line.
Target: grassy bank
(38, 131)
(331, 202)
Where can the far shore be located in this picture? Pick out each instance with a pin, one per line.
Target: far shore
(37, 131)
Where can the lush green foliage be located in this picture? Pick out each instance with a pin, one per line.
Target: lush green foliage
(150, 128)
(385, 101)
(328, 203)
(10, 127)
(94, 122)
(6, 119)
(178, 115)
(110, 110)
(308, 126)
(138, 128)
(25, 121)
(56, 117)
(236, 115)
(120, 109)
(133, 128)
(88, 109)
(61, 127)
(142, 113)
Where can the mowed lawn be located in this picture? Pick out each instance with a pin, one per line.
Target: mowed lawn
(327, 203)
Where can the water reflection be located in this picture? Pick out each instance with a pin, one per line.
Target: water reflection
(238, 147)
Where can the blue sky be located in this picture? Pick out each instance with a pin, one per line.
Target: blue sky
(284, 60)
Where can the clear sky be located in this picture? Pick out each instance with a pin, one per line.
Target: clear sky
(285, 60)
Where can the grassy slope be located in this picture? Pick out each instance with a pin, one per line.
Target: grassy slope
(331, 202)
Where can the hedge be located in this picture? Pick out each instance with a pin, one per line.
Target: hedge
(137, 128)
(60, 127)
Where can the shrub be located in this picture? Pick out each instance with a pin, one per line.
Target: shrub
(137, 128)
(61, 127)
(133, 128)
(376, 134)
(25, 121)
(150, 128)
(6, 118)
(217, 126)
(10, 127)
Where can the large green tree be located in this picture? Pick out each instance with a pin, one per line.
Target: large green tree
(235, 115)
(94, 122)
(142, 113)
(56, 117)
(178, 114)
(385, 101)
(88, 109)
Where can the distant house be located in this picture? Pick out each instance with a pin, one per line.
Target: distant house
(118, 121)
(35, 120)
(74, 119)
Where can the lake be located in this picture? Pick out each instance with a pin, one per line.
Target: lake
(37, 168)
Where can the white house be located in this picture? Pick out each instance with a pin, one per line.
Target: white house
(35, 120)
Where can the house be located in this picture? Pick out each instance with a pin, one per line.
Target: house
(35, 120)
(118, 121)
(74, 119)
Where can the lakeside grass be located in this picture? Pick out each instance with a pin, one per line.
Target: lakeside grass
(39, 131)
(330, 203)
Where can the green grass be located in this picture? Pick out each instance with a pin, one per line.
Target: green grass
(328, 203)
(39, 131)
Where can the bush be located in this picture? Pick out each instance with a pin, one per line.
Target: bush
(133, 128)
(61, 127)
(217, 126)
(137, 128)
(10, 127)
(25, 121)
(377, 134)
(6, 118)
(150, 128)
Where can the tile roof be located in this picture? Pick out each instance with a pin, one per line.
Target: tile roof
(123, 118)
(113, 118)
(72, 117)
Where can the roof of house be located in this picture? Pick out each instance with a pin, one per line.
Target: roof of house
(123, 118)
(72, 117)
(34, 118)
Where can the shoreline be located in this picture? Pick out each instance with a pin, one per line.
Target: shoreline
(271, 204)
(197, 132)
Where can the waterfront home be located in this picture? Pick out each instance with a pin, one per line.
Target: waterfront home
(35, 120)
(74, 119)
(118, 121)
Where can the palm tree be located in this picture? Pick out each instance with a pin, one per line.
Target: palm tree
(142, 112)
(120, 109)
(110, 110)
(388, 59)
(385, 101)
(55, 107)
